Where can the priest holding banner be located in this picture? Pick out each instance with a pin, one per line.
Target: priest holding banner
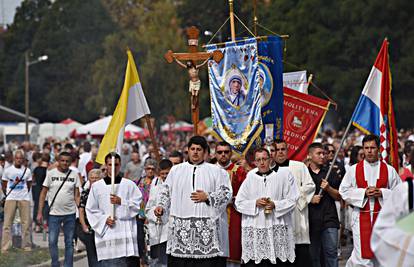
(366, 186)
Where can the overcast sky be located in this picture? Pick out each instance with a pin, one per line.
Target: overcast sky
(7, 10)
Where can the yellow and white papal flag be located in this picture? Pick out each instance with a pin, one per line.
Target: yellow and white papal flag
(131, 106)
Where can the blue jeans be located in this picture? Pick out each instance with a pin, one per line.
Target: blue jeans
(326, 240)
(68, 230)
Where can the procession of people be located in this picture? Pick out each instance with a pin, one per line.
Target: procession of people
(208, 206)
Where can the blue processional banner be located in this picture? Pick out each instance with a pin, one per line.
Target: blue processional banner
(235, 94)
(271, 88)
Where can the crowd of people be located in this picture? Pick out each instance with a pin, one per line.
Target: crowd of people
(201, 204)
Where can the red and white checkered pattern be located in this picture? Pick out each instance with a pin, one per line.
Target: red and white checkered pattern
(384, 145)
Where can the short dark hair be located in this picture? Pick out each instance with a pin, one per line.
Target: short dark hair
(353, 157)
(260, 150)
(176, 154)
(223, 143)
(314, 146)
(165, 164)
(74, 155)
(65, 154)
(407, 149)
(57, 145)
(278, 141)
(371, 137)
(45, 144)
(68, 146)
(198, 140)
(109, 156)
(45, 157)
(87, 147)
(326, 146)
(36, 156)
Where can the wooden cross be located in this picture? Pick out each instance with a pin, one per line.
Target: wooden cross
(192, 58)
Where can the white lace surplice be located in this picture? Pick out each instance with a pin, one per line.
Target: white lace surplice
(267, 236)
(196, 230)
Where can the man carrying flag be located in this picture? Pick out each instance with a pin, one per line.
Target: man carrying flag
(113, 202)
(368, 184)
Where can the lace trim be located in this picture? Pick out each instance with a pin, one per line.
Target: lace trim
(221, 197)
(194, 238)
(268, 243)
(164, 196)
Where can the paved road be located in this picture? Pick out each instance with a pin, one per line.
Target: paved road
(83, 262)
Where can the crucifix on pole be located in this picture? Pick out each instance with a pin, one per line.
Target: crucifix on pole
(191, 58)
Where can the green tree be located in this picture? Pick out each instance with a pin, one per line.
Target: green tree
(71, 34)
(17, 40)
(149, 29)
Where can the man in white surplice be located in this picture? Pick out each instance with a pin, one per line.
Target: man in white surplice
(266, 200)
(115, 238)
(366, 186)
(306, 188)
(393, 243)
(196, 195)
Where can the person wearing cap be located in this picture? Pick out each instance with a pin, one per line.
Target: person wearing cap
(236, 95)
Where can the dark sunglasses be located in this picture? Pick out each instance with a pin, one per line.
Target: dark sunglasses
(223, 151)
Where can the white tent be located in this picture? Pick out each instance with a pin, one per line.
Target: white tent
(179, 126)
(98, 128)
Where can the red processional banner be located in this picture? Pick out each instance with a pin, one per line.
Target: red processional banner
(302, 115)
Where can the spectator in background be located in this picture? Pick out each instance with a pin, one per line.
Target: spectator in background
(2, 162)
(16, 184)
(39, 175)
(55, 152)
(69, 148)
(404, 172)
(8, 156)
(134, 168)
(125, 156)
(36, 160)
(176, 157)
(92, 164)
(85, 157)
(323, 217)
(144, 185)
(86, 233)
(61, 186)
(185, 153)
(74, 165)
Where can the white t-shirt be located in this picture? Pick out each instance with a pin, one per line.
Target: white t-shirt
(65, 201)
(84, 158)
(20, 192)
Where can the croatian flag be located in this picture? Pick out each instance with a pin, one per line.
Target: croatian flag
(374, 113)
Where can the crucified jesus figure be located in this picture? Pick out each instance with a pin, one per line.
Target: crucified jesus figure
(195, 83)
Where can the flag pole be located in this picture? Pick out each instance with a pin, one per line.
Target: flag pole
(337, 151)
(113, 182)
(232, 29)
(154, 142)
